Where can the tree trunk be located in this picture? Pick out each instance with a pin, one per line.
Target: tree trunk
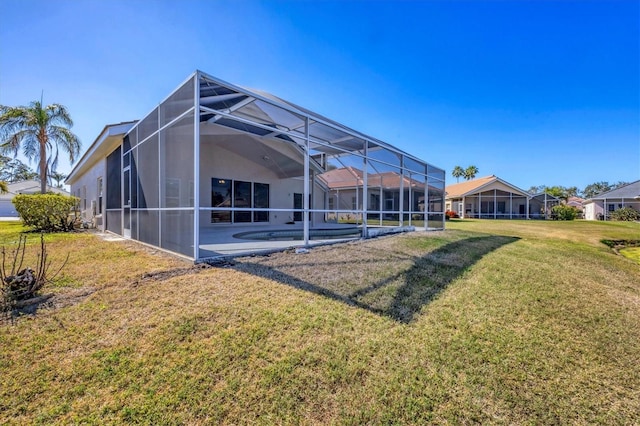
(42, 139)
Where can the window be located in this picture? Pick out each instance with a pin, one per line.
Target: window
(331, 203)
(354, 203)
(612, 207)
(100, 195)
(242, 198)
(172, 192)
(374, 202)
(261, 201)
(486, 207)
(84, 198)
(245, 195)
(220, 197)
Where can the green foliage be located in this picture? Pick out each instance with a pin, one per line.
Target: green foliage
(40, 132)
(14, 170)
(597, 188)
(3, 187)
(557, 191)
(563, 212)
(457, 172)
(45, 212)
(626, 214)
(470, 172)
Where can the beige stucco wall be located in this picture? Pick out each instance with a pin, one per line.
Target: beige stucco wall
(221, 163)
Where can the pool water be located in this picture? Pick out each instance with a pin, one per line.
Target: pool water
(297, 234)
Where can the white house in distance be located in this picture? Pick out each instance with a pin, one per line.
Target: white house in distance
(7, 209)
(214, 159)
(490, 197)
(601, 206)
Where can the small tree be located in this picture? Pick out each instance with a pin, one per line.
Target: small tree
(563, 212)
(20, 286)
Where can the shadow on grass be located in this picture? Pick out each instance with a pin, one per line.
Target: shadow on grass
(402, 285)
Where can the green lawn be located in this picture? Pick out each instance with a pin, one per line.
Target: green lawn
(508, 322)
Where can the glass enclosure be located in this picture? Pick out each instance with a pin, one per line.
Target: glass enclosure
(214, 159)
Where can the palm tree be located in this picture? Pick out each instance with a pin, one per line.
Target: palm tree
(470, 172)
(40, 132)
(58, 177)
(457, 172)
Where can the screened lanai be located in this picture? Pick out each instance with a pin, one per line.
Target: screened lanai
(216, 165)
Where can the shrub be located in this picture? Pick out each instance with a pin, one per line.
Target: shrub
(627, 214)
(563, 212)
(451, 214)
(20, 287)
(46, 212)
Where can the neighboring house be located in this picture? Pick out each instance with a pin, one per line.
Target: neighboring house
(601, 206)
(214, 156)
(386, 190)
(577, 203)
(540, 205)
(488, 198)
(7, 209)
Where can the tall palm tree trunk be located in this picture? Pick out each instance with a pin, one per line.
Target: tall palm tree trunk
(42, 139)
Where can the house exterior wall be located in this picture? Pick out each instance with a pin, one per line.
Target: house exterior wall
(220, 163)
(92, 206)
(7, 209)
(493, 201)
(600, 209)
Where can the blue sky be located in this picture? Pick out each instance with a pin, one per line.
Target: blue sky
(536, 92)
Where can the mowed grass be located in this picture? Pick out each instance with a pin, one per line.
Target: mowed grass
(522, 322)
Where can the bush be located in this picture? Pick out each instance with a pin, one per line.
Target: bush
(451, 214)
(563, 212)
(46, 212)
(627, 214)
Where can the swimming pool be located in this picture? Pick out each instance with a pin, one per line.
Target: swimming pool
(297, 234)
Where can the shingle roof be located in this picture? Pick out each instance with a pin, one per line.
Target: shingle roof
(350, 177)
(462, 189)
(30, 186)
(631, 190)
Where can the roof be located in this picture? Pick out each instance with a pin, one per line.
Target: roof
(631, 190)
(268, 116)
(462, 189)
(344, 177)
(575, 201)
(105, 143)
(350, 177)
(544, 195)
(30, 186)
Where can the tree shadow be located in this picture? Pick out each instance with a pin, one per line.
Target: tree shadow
(398, 289)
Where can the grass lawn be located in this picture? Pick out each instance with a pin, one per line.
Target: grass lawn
(511, 322)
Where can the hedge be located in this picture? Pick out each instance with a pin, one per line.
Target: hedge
(46, 212)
